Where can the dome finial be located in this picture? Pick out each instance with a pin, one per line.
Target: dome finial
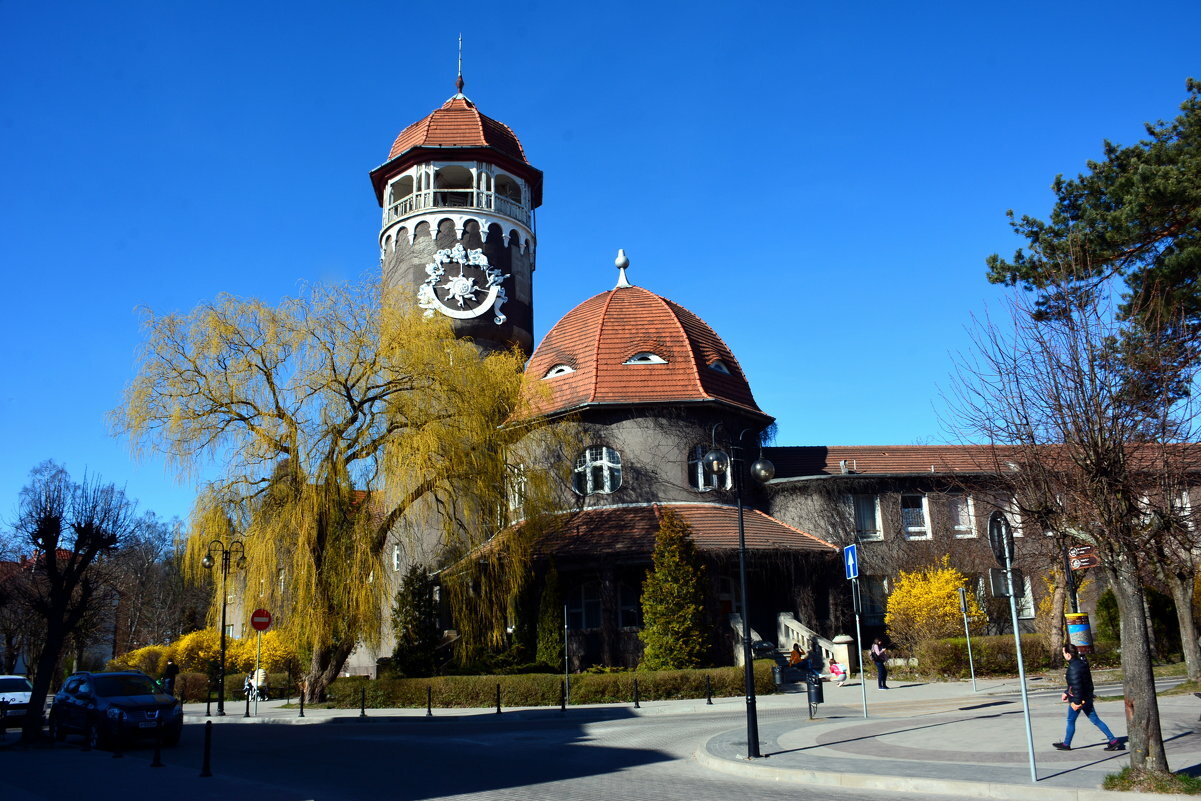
(459, 80)
(622, 263)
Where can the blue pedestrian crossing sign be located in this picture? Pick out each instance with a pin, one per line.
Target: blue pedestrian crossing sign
(850, 558)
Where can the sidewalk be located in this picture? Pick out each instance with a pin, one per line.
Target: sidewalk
(938, 738)
(943, 739)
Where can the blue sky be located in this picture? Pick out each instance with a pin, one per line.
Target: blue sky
(821, 183)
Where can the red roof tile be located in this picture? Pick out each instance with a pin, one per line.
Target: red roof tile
(630, 531)
(880, 459)
(599, 336)
(458, 124)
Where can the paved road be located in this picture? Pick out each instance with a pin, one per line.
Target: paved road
(612, 755)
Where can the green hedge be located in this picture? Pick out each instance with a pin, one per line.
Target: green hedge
(995, 656)
(193, 687)
(543, 689)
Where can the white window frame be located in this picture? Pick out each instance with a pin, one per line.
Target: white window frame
(969, 506)
(916, 532)
(701, 477)
(1025, 604)
(862, 534)
(584, 475)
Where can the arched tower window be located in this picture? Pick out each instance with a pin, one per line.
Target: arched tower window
(597, 470)
(508, 188)
(453, 186)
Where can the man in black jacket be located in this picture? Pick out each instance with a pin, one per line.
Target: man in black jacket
(1079, 698)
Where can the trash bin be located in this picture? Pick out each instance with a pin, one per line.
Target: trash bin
(777, 674)
(816, 693)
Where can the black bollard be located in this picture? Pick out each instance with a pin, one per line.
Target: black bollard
(498, 699)
(246, 714)
(208, 703)
(429, 701)
(208, 750)
(562, 697)
(362, 702)
(157, 762)
(708, 690)
(636, 704)
(3, 719)
(302, 703)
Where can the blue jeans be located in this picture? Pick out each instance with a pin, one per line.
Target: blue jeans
(1090, 712)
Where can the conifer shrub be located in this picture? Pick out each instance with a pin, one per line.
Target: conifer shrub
(549, 648)
(674, 634)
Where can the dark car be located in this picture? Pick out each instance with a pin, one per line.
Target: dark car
(107, 707)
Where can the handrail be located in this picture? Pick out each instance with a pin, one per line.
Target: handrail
(457, 198)
(790, 630)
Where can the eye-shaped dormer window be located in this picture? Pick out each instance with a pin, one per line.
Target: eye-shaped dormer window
(720, 367)
(645, 357)
(559, 369)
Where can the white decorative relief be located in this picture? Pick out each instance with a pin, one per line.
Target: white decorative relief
(459, 293)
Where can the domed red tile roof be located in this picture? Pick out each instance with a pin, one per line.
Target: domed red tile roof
(458, 123)
(597, 338)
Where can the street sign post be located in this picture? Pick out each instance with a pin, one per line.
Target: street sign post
(850, 560)
(260, 621)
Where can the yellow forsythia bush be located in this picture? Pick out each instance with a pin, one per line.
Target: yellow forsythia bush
(196, 651)
(150, 660)
(924, 605)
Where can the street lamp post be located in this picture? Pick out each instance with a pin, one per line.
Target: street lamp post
(763, 471)
(235, 547)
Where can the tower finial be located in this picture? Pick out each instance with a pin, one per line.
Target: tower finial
(459, 80)
(622, 263)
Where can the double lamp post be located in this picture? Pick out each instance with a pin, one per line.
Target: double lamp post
(719, 462)
(225, 553)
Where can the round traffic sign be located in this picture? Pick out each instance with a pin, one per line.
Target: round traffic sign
(260, 619)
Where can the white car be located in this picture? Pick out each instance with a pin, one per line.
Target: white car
(14, 697)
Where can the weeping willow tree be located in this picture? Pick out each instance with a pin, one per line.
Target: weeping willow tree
(330, 418)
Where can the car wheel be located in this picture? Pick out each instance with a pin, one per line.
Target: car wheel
(56, 729)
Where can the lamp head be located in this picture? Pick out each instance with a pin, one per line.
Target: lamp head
(717, 461)
(207, 561)
(763, 470)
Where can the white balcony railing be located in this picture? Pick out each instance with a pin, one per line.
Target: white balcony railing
(457, 198)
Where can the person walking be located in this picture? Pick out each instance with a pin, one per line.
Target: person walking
(169, 674)
(879, 655)
(1079, 697)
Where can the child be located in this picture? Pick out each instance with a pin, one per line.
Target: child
(837, 673)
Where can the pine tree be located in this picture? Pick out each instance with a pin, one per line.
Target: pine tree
(415, 619)
(550, 621)
(674, 633)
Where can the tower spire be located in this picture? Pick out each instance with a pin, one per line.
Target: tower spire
(459, 80)
(621, 262)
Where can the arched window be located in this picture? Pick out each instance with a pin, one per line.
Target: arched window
(645, 357)
(597, 470)
(720, 367)
(509, 188)
(700, 477)
(453, 186)
(559, 369)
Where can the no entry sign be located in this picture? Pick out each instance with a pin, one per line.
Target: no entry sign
(260, 619)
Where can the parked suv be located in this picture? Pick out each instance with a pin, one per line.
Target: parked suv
(106, 707)
(14, 698)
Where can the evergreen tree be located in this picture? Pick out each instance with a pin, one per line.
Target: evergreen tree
(674, 633)
(550, 620)
(415, 620)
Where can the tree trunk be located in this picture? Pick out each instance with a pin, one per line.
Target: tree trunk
(323, 669)
(47, 664)
(1142, 707)
(1057, 625)
(1181, 587)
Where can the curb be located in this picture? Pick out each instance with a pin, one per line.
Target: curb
(906, 784)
